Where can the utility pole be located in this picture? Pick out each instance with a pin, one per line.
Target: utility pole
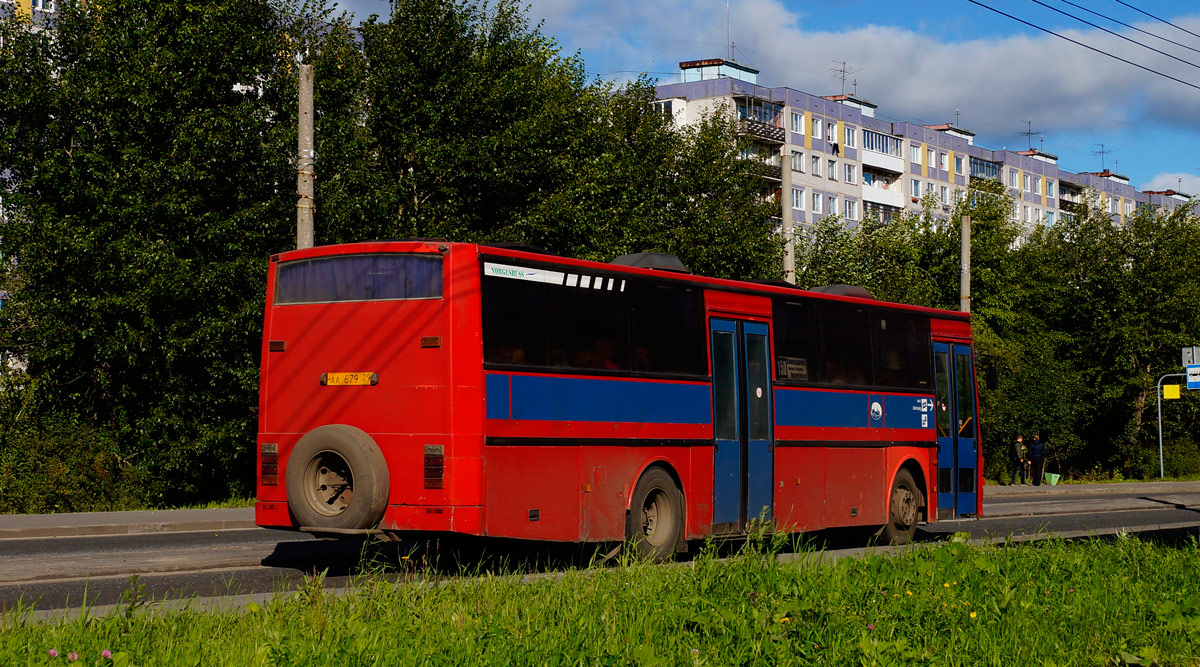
(305, 175)
(964, 280)
(788, 224)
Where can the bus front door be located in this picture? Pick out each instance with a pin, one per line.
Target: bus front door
(958, 447)
(742, 455)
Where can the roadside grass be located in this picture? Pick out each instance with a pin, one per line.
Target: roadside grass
(228, 503)
(1123, 601)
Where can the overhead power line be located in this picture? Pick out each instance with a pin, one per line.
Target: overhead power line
(1114, 34)
(1158, 19)
(1090, 48)
(1131, 27)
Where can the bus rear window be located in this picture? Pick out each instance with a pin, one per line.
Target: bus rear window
(382, 277)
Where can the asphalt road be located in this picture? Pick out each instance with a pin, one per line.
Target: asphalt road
(206, 557)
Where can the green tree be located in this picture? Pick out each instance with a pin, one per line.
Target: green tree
(142, 198)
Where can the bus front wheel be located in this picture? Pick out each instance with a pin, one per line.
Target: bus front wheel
(903, 507)
(655, 523)
(337, 478)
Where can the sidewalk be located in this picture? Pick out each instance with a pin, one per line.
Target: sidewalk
(122, 523)
(1056, 498)
(1058, 490)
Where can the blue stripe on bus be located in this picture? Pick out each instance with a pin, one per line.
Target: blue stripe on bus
(809, 407)
(816, 408)
(497, 396)
(601, 400)
(908, 411)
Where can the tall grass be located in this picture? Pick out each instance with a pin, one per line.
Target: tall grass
(1053, 603)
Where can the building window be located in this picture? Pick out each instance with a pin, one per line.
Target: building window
(816, 133)
(868, 178)
(1128, 207)
(1012, 178)
(1037, 185)
(833, 209)
(832, 170)
(1049, 218)
(916, 188)
(798, 161)
(816, 200)
(1049, 187)
(1037, 214)
(798, 123)
(850, 141)
(798, 199)
(958, 165)
(1026, 214)
(945, 195)
(914, 153)
(929, 156)
(929, 188)
(942, 161)
(1028, 183)
(816, 165)
(850, 173)
(851, 210)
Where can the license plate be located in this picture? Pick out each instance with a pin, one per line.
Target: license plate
(343, 379)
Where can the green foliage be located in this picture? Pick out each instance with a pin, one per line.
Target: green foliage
(149, 177)
(948, 604)
(142, 205)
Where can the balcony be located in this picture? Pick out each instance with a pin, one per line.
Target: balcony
(761, 131)
(772, 171)
(882, 161)
(885, 196)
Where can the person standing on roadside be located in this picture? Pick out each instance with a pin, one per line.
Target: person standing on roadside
(1037, 457)
(1017, 454)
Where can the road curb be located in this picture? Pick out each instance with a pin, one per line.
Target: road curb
(90, 524)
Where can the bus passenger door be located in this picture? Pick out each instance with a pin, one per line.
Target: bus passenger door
(958, 448)
(742, 457)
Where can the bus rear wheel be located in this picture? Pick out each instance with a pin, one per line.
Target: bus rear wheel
(903, 507)
(655, 523)
(337, 478)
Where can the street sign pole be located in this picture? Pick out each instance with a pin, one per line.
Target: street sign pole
(1160, 400)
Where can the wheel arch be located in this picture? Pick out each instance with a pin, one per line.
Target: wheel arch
(914, 468)
(673, 473)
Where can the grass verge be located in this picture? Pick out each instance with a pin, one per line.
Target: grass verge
(1124, 601)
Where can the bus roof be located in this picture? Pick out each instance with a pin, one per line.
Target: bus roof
(537, 256)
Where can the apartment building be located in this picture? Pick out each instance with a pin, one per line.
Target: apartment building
(830, 155)
(39, 12)
(34, 9)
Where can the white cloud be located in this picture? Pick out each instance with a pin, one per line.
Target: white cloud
(1186, 183)
(996, 84)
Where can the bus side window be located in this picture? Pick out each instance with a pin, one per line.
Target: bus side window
(794, 327)
(514, 321)
(845, 344)
(589, 328)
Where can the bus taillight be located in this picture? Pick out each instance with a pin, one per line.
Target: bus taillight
(270, 464)
(434, 466)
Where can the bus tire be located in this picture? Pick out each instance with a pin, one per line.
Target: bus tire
(337, 478)
(654, 525)
(904, 506)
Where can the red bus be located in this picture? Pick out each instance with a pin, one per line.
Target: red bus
(426, 386)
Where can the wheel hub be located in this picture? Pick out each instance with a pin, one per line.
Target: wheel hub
(329, 484)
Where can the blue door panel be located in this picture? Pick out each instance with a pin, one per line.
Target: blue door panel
(727, 453)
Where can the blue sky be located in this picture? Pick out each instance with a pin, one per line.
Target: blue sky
(924, 61)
